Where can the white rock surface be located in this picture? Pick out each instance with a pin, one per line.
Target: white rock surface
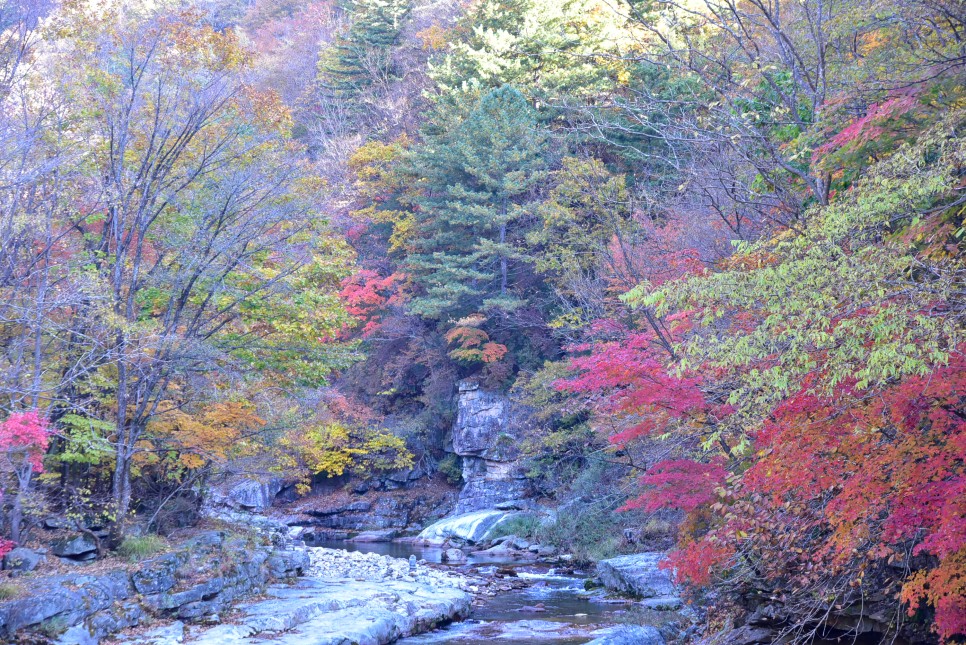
(637, 575)
(361, 598)
(628, 635)
(470, 527)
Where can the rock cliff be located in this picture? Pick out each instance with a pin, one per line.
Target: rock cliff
(201, 579)
(486, 435)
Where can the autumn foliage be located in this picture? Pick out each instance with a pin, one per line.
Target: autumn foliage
(24, 438)
(815, 448)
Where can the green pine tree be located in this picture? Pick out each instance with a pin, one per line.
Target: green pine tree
(362, 58)
(477, 183)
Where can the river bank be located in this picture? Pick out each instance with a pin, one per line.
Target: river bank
(518, 601)
(363, 596)
(344, 597)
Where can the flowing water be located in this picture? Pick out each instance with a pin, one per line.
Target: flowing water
(553, 610)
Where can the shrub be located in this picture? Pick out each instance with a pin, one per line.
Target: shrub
(9, 590)
(135, 548)
(588, 532)
(452, 468)
(525, 526)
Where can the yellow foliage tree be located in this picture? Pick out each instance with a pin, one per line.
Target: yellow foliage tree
(215, 434)
(335, 448)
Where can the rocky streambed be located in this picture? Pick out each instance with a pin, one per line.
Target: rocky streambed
(367, 598)
(361, 598)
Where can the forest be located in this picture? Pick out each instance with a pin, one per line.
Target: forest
(716, 246)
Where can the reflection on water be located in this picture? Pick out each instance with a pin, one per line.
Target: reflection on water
(510, 619)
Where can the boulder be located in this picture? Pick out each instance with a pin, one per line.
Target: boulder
(454, 556)
(518, 543)
(22, 559)
(385, 535)
(157, 575)
(289, 563)
(80, 547)
(254, 495)
(628, 635)
(636, 575)
(471, 527)
(55, 522)
(749, 635)
(663, 603)
(499, 549)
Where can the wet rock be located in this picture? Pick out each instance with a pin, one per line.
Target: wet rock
(385, 535)
(454, 556)
(537, 608)
(515, 505)
(22, 559)
(628, 635)
(663, 603)
(78, 547)
(636, 575)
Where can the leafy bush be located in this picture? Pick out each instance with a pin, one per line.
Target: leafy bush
(587, 531)
(135, 548)
(525, 526)
(452, 468)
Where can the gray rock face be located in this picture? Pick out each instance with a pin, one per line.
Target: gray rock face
(486, 435)
(454, 556)
(157, 575)
(254, 495)
(350, 598)
(470, 527)
(22, 559)
(480, 420)
(749, 635)
(384, 535)
(629, 635)
(322, 520)
(637, 575)
(203, 578)
(76, 547)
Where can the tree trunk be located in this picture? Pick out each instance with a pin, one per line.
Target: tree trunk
(120, 484)
(503, 262)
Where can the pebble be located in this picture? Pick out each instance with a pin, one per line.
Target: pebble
(337, 564)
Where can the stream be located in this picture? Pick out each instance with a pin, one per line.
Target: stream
(567, 616)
